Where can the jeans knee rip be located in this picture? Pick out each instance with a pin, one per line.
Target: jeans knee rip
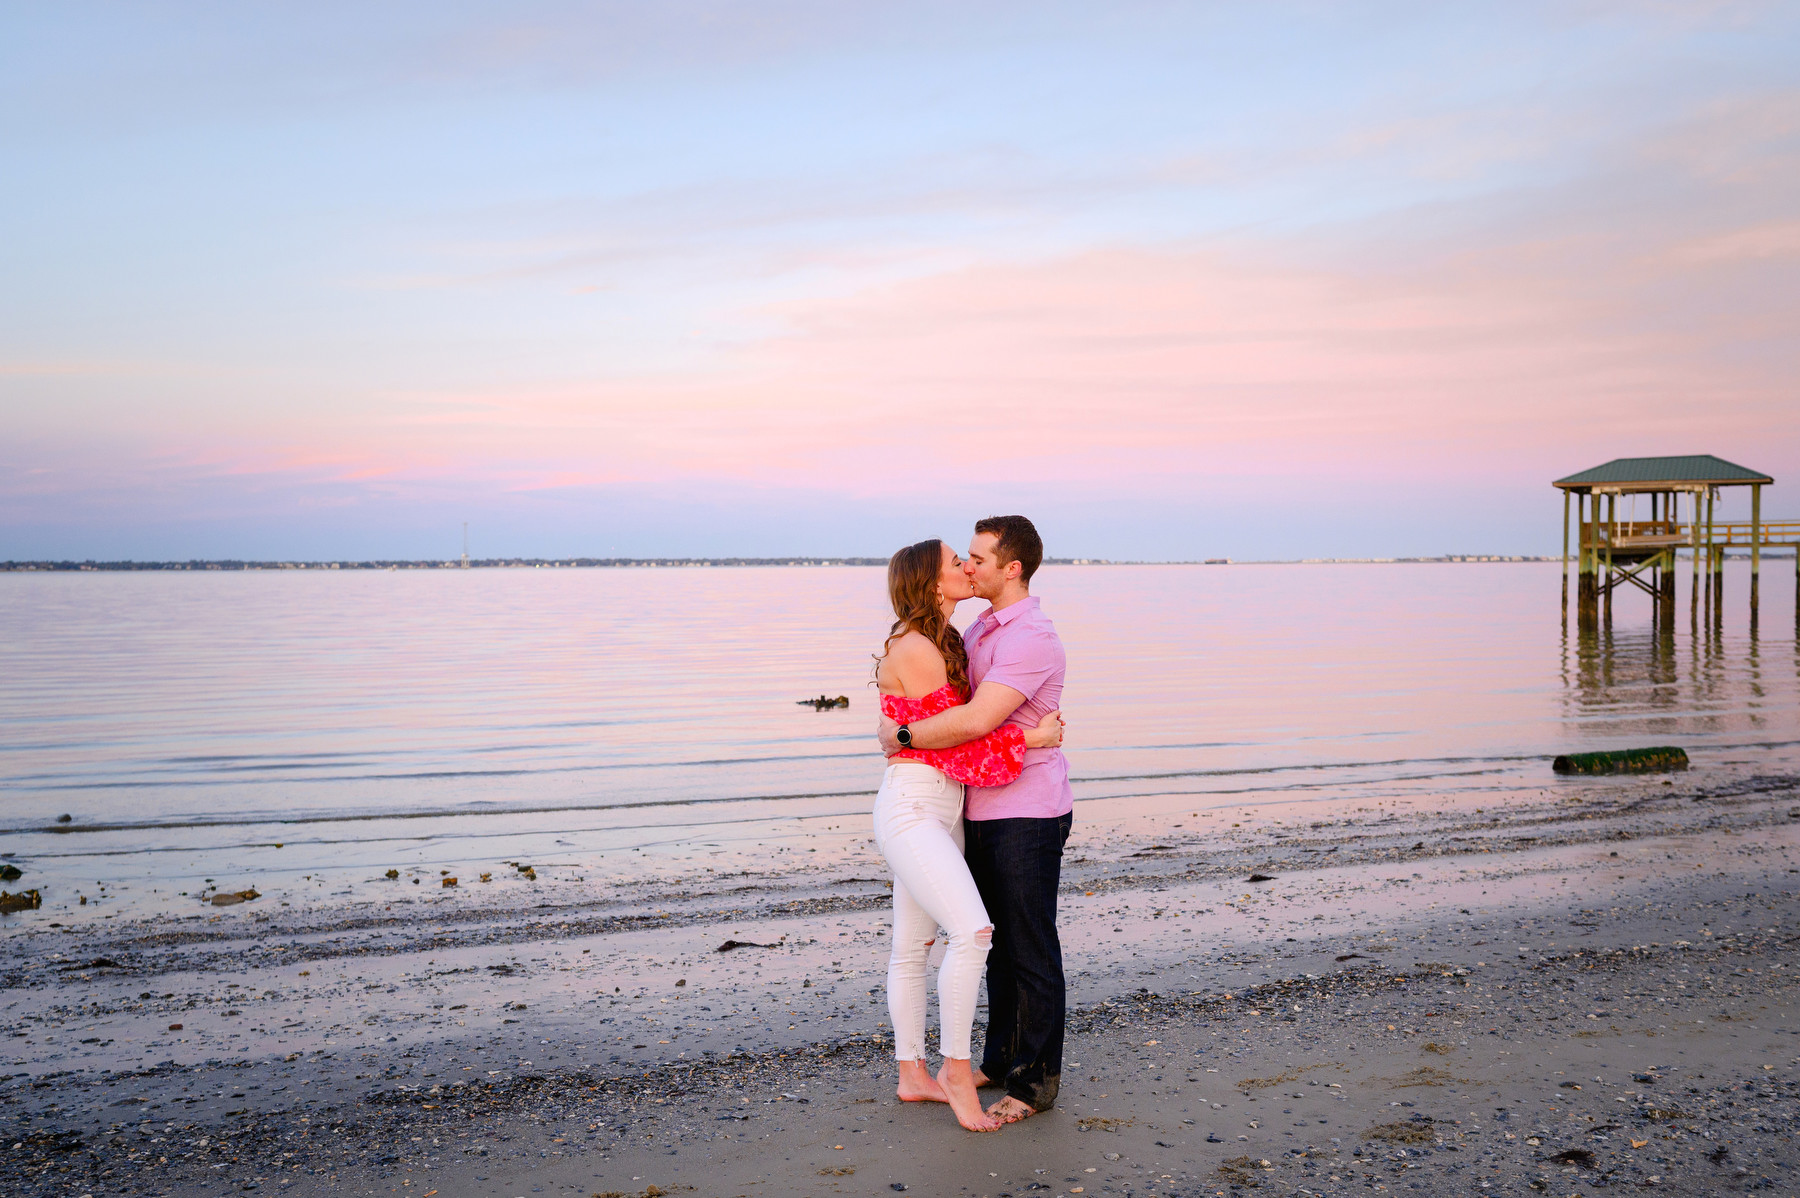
(984, 937)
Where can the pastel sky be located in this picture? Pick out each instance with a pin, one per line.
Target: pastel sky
(1177, 280)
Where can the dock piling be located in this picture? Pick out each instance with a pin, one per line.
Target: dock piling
(1755, 548)
(1565, 559)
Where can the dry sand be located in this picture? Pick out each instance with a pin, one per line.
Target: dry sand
(1411, 1003)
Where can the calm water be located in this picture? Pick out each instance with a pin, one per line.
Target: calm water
(197, 719)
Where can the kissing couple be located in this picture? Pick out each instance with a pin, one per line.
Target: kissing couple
(972, 816)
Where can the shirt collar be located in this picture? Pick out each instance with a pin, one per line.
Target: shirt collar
(1007, 615)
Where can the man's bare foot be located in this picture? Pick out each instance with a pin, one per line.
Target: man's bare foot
(959, 1090)
(917, 1084)
(1010, 1110)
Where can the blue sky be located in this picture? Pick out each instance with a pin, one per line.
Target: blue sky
(315, 280)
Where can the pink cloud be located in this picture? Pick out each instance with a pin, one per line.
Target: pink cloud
(1140, 367)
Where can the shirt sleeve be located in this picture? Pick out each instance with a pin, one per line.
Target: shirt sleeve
(1025, 662)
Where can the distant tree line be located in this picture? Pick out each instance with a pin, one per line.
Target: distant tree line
(488, 563)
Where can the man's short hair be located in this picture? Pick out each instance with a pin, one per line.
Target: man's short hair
(1015, 540)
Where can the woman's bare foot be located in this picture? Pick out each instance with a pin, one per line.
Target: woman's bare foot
(983, 1081)
(917, 1084)
(958, 1084)
(1010, 1110)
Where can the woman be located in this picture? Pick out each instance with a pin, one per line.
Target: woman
(924, 669)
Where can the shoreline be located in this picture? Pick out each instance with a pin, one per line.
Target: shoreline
(354, 1018)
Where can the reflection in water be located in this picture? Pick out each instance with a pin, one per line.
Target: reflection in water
(1648, 677)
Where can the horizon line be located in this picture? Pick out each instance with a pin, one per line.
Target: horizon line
(128, 565)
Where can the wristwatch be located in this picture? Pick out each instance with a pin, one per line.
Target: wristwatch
(904, 735)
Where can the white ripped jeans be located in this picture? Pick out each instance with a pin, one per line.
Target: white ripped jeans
(918, 828)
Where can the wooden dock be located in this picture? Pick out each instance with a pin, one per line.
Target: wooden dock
(1667, 505)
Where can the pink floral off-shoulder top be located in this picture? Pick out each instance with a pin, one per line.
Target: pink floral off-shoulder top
(993, 760)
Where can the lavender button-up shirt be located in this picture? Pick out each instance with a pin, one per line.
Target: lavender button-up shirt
(1018, 647)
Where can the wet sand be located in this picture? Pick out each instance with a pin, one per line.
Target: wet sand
(1476, 963)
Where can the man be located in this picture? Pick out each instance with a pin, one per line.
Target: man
(1014, 833)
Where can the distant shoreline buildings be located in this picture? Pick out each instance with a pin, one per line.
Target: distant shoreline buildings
(569, 563)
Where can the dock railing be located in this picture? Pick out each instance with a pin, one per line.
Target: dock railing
(1662, 534)
(1739, 532)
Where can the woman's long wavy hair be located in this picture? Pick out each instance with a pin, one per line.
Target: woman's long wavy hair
(913, 590)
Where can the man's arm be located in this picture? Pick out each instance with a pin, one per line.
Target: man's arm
(992, 703)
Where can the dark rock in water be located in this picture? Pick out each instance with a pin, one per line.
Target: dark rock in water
(1261, 878)
(825, 702)
(234, 897)
(1624, 761)
(392, 874)
(10, 873)
(29, 900)
(729, 944)
(64, 818)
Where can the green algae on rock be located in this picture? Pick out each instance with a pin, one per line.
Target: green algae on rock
(1623, 761)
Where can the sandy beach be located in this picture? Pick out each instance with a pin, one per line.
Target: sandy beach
(1420, 996)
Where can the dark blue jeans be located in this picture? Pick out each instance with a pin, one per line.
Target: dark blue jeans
(1017, 865)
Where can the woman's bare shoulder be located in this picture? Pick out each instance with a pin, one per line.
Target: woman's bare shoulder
(912, 647)
(911, 662)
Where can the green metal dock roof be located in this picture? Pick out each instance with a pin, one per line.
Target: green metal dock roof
(1700, 469)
